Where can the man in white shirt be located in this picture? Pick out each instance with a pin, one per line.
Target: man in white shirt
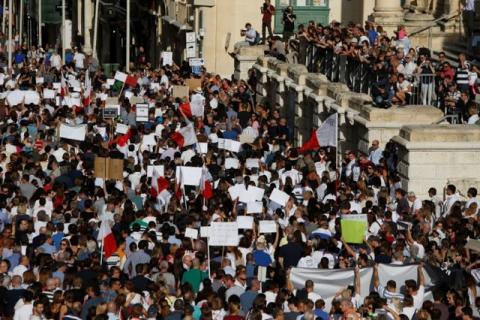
(56, 61)
(415, 203)
(24, 310)
(22, 266)
(376, 153)
(312, 295)
(79, 59)
(417, 291)
(452, 197)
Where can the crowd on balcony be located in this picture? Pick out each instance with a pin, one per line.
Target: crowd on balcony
(386, 66)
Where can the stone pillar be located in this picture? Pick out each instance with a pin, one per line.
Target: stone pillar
(87, 25)
(388, 13)
(245, 59)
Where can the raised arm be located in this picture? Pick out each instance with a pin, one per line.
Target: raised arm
(376, 281)
(357, 280)
(348, 248)
(421, 275)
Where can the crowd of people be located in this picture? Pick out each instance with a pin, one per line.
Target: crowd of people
(74, 245)
(387, 66)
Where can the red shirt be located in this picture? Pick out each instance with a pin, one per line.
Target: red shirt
(268, 14)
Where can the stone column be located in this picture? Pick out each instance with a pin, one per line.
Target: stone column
(87, 25)
(388, 13)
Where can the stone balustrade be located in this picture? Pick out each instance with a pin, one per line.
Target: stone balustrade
(307, 99)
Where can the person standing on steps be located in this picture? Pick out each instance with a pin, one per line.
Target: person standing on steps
(268, 11)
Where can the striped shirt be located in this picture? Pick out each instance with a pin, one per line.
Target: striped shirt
(384, 293)
(462, 75)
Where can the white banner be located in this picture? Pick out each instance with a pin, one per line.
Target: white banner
(329, 282)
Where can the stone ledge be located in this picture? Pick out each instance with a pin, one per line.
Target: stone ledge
(441, 133)
(405, 115)
(298, 73)
(456, 146)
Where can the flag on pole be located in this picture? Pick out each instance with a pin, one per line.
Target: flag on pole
(159, 183)
(63, 86)
(206, 184)
(325, 136)
(190, 110)
(105, 235)
(185, 136)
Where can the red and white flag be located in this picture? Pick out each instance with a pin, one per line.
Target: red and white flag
(325, 136)
(191, 110)
(159, 183)
(105, 235)
(206, 184)
(185, 136)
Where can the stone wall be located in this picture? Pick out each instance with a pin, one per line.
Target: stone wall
(307, 99)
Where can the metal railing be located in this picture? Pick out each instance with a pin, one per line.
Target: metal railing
(363, 76)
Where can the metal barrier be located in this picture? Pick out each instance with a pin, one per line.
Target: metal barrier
(362, 77)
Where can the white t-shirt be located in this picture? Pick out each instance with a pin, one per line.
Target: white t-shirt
(418, 298)
(79, 59)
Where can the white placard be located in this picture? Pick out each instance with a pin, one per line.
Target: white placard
(101, 130)
(15, 97)
(280, 197)
(191, 233)
(120, 76)
(110, 82)
(245, 222)
(203, 146)
(57, 85)
(252, 163)
(223, 234)
(251, 194)
(49, 94)
(149, 140)
(190, 37)
(167, 58)
(267, 226)
(221, 143)
(142, 112)
(159, 168)
(204, 232)
(254, 207)
(196, 62)
(121, 128)
(39, 80)
(190, 176)
(232, 163)
(73, 132)
(236, 190)
(234, 146)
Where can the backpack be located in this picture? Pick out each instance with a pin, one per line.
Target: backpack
(257, 38)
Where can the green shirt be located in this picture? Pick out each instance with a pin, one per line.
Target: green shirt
(194, 277)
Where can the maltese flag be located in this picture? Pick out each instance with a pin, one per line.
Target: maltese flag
(185, 136)
(325, 136)
(105, 235)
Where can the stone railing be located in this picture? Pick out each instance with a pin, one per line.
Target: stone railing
(307, 99)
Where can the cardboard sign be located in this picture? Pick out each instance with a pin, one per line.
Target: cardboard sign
(193, 83)
(107, 168)
(180, 91)
(354, 227)
(142, 112)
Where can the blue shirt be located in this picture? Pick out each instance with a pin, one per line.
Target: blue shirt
(321, 314)
(57, 239)
(261, 258)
